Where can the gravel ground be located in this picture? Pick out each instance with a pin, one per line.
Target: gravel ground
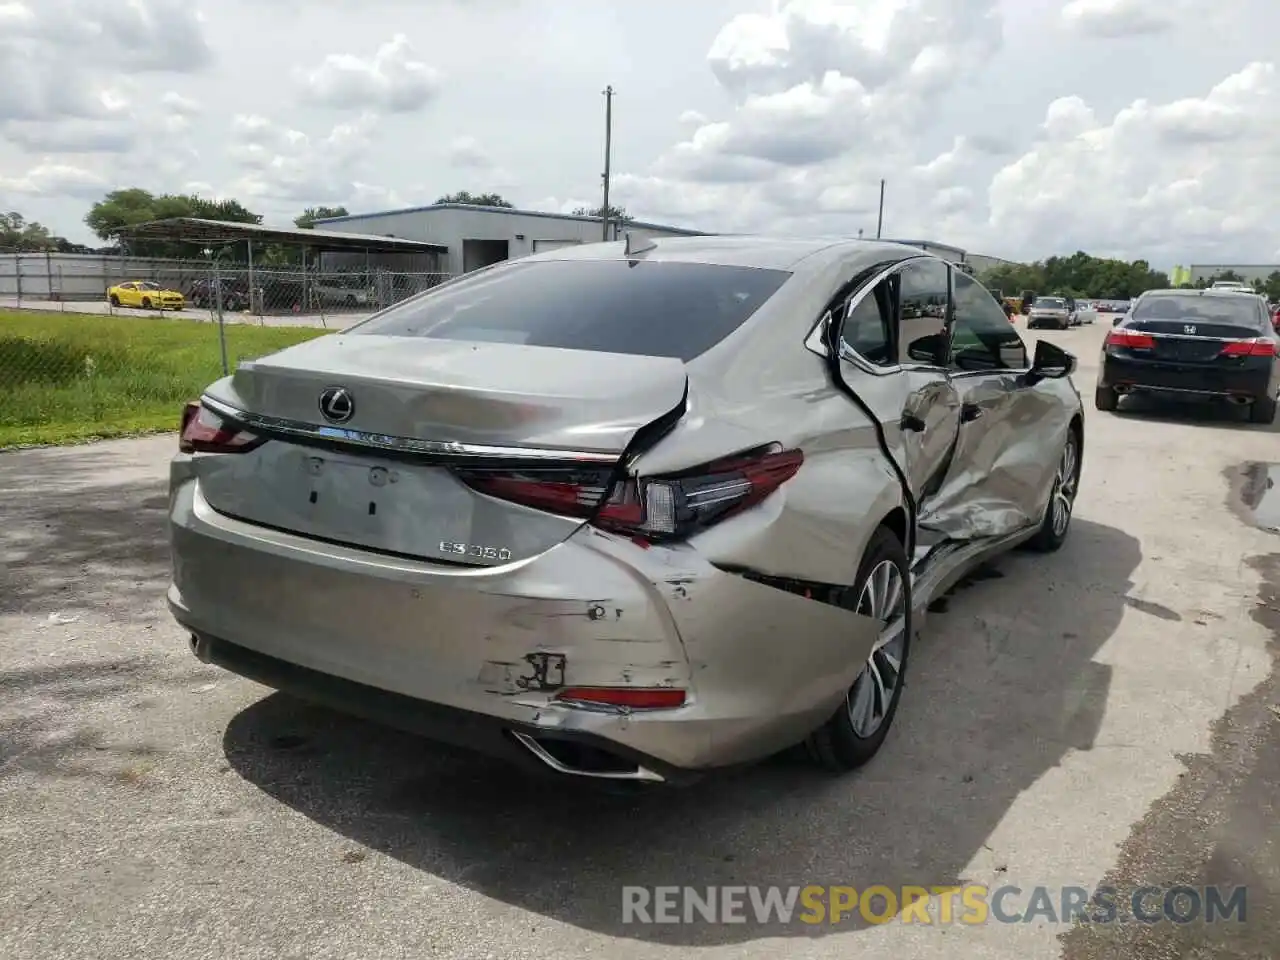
(1103, 714)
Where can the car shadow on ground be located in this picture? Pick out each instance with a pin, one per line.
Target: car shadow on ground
(1218, 416)
(1002, 685)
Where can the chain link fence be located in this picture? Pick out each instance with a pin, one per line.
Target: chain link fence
(196, 289)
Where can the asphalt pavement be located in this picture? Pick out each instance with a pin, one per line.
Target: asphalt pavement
(1103, 715)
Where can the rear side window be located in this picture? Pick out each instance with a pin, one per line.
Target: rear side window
(650, 308)
(1241, 311)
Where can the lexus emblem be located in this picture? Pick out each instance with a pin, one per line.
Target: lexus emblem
(1189, 330)
(337, 405)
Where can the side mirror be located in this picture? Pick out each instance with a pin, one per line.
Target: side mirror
(928, 349)
(1051, 362)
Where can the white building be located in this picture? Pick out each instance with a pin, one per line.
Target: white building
(479, 236)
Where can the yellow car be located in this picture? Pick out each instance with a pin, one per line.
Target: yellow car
(145, 294)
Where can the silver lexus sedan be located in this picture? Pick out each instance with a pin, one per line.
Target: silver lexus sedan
(628, 511)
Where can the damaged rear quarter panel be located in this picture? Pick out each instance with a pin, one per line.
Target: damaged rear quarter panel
(816, 526)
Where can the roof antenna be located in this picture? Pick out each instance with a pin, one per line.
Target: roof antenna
(637, 245)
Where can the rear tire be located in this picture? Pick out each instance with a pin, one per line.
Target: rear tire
(1062, 499)
(1263, 410)
(1106, 399)
(844, 743)
(115, 301)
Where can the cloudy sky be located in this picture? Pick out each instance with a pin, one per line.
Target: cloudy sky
(1020, 128)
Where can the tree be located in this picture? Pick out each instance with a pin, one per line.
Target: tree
(1079, 275)
(121, 209)
(1272, 286)
(616, 214)
(111, 216)
(19, 235)
(476, 199)
(308, 218)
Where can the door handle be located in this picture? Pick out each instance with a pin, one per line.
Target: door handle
(911, 422)
(970, 412)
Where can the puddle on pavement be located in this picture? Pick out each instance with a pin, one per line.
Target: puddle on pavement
(1260, 495)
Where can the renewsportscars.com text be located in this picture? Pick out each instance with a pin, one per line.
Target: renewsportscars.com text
(970, 904)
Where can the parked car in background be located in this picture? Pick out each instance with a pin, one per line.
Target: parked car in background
(739, 442)
(1194, 344)
(339, 291)
(145, 295)
(235, 294)
(1050, 312)
(1085, 312)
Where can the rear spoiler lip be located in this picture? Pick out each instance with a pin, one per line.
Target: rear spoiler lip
(405, 448)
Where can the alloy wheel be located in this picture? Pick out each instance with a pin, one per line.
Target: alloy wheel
(884, 598)
(1064, 488)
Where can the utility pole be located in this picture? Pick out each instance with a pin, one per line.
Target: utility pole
(608, 145)
(880, 218)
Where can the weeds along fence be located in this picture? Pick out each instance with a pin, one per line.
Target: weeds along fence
(70, 282)
(68, 377)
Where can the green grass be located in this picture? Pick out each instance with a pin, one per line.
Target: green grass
(68, 378)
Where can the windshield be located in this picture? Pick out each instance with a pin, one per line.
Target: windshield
(1050, 303)
(148, 285)
(1222, 309)
(609, 306)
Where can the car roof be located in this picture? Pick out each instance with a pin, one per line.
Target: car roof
(765, 252)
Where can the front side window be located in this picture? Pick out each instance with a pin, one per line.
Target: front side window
(982, 337)
(922, 313)
(648, 308)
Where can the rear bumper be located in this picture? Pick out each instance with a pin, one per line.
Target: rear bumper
(761, 667)
(1188, 379)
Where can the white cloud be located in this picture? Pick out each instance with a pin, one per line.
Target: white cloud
(1200, 173)
(828, 97)
(391, 80)
(284, 167)
(1122, 18)
(55, 179)
(778, 116)
(466, 153)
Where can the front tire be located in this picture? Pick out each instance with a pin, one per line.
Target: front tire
(882, 590)
(1062, 499)
(1262, 410)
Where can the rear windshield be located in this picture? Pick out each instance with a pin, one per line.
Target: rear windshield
(1220, 309)
(607, 306)
(1051, 303)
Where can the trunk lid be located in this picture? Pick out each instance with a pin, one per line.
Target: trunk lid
(1193, 340)
(386, 477)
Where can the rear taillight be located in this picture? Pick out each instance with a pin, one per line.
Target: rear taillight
(652, 508)
(1130, 340)
(203, 431)
(1257, 347)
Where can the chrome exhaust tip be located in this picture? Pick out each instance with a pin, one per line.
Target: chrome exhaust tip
(569, 758)
(1241, 401)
